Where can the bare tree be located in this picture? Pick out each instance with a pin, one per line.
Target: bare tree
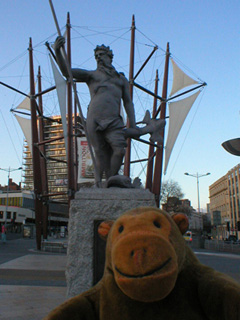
(169, 189)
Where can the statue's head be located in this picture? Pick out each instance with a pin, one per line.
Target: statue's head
(104, 49)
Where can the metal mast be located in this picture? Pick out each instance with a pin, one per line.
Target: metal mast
(37, 179)
(157, 179)
(42, 159)
(70, 164)
(151, 147)
(131, 71)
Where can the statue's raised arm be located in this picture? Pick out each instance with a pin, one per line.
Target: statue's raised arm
(58, 44)
(78, 74)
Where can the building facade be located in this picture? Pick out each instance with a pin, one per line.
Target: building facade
(219, 199)
(233, 177)
(12, 207)
(12, 186)
(225, 203)
(56, 170)
(17, 207)
(184, 205)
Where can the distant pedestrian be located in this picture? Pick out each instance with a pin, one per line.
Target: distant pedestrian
(4, 232)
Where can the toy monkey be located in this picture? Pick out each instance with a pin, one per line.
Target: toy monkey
(151, 274)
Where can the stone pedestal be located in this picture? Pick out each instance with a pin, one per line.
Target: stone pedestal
(88, 206)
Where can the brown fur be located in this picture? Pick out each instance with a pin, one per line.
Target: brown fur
(150, 273)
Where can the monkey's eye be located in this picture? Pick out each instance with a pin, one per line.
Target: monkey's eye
(157, 224)
(120, 229)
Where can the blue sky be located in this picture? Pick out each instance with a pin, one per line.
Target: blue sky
(203, 36)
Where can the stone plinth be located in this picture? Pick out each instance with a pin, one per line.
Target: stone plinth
(90, 205)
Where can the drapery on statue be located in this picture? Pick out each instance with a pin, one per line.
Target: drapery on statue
(104, 123)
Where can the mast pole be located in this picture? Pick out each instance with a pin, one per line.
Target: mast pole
(75, 91)
(75, 146)
(70, 124)
(157, 178)
(42, 159)
(151, 147)
(131, 71)
(35, 153)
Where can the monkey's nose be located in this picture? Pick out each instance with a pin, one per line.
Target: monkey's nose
(138, 256)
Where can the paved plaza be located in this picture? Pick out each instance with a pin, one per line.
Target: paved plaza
(30, 285)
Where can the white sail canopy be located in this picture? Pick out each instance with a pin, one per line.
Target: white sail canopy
(180, 79)
(178, 112)
(61, 93)
(26, 127)
(25, 104)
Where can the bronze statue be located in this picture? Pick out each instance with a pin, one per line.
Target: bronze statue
(104, 123)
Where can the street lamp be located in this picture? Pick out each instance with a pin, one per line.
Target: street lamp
(9, 170)
(197, 175)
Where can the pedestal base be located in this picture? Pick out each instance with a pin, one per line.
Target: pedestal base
(88, 206)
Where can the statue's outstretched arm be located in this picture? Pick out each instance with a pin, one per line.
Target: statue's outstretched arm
(81, 75)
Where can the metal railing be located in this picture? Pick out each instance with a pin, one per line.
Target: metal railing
(220, 245)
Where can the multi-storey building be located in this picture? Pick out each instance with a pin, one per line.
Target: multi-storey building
(219, 199)
(233, 177)
(17, 212)
(56, 170)
(225, 201)
(13, 206)
(12, 200)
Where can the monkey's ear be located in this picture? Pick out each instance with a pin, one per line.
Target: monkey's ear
(181, 221)
(104, 228)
